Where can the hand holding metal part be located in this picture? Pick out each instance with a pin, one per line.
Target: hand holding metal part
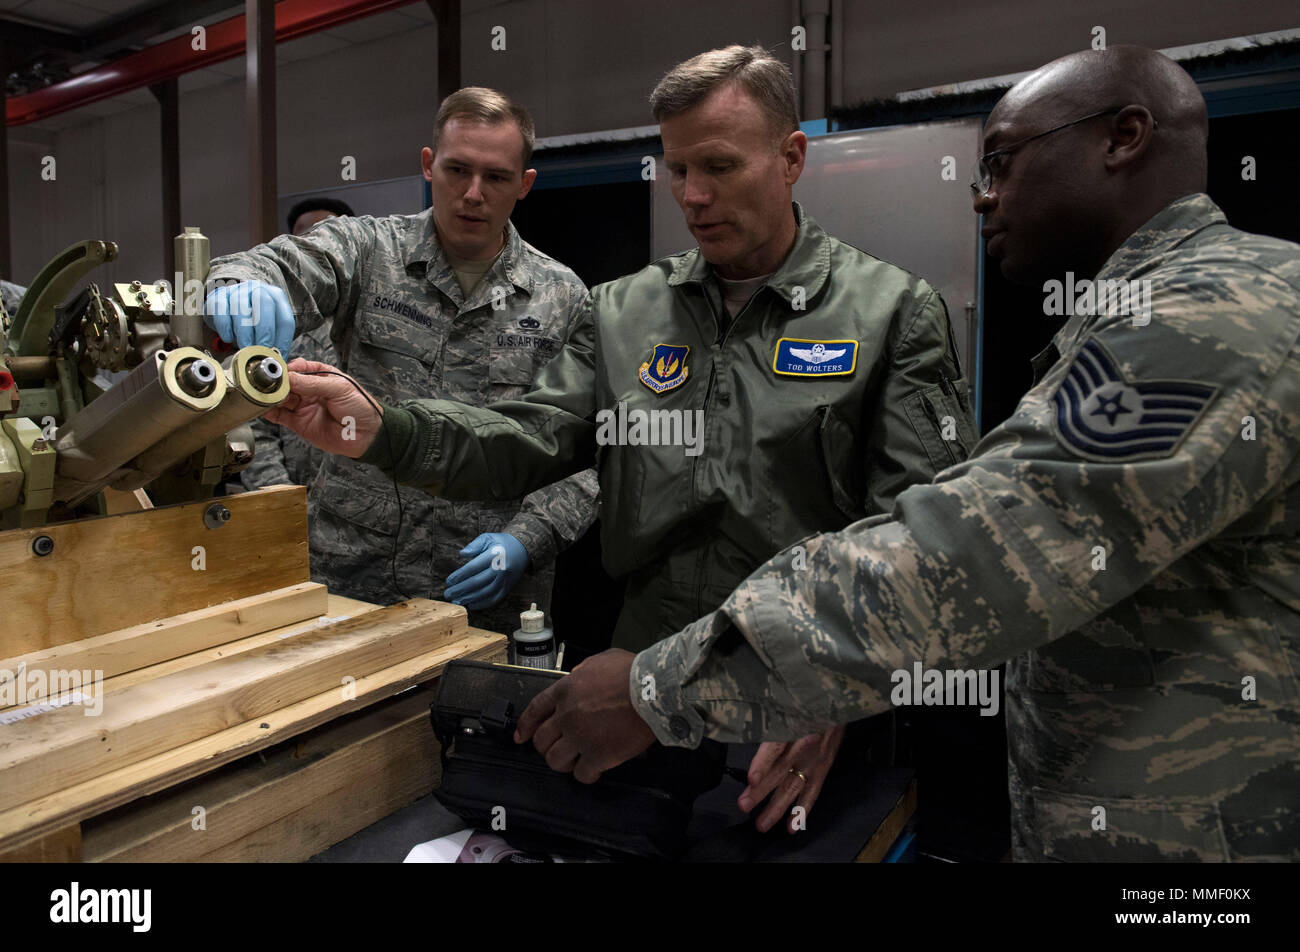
(252, 312)
(327, 408)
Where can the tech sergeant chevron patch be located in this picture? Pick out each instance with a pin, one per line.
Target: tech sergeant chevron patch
(1102, 416)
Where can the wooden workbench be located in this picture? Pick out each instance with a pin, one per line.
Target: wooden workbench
(276, 719)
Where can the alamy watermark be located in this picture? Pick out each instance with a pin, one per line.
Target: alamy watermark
(76, 904)
(37, 690)
(624, 427)
(950, 687)
(1087, 297)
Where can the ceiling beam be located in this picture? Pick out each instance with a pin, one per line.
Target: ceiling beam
(225, 40)
(133, 30)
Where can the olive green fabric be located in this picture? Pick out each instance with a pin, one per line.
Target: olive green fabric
(782, 455)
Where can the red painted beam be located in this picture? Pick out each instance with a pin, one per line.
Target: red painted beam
(225, 40)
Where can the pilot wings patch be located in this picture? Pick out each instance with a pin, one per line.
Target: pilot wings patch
(795, 357)
(1102, 416)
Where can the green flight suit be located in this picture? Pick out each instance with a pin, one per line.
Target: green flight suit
(791, 446)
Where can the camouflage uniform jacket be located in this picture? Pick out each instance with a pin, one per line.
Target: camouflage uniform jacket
(791, 444)
(403, 328)
(11, 296)
(282, 455)
(1161, 688)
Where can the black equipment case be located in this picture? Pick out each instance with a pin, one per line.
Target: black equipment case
(638, 809)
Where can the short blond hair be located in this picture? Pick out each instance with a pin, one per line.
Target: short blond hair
(760, 73)
(480, 104)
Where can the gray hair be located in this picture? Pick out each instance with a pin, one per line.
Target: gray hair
(761, 74)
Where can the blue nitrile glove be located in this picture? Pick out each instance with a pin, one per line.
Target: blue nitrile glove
(497, 560)
(252, 313)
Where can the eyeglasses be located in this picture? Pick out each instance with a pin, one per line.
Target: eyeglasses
(990, 164)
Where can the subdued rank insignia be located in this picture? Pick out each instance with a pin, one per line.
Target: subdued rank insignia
(796, 357)
(1102, 416)
(666, 368)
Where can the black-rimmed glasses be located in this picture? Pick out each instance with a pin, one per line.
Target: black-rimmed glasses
(990, 164)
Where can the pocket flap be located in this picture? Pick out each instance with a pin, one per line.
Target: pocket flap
(357, 501)
(400, 337)
(513, 372)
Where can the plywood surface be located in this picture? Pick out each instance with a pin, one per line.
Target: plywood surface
(66, 746)
(113, 572)
(297, 799)
(152, 643)
(78, 801)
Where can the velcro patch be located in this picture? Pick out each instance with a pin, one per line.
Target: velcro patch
(1102, 416)
(796, 357)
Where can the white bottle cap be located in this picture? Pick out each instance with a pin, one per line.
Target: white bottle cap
(532, 620)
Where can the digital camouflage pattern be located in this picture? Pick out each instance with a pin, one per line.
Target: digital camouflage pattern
(282, 456)
(403, 328)
(1161, 688)
(10, 295)
(784, 454)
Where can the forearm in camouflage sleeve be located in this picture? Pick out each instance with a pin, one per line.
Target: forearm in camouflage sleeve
(552, 519)
(318, 271)
(998, 557)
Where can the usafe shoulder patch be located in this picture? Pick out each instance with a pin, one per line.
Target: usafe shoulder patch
(666, 369)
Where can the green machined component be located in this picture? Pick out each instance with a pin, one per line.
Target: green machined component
(29, 332)
(11, 473)
(214, 458)
(36, 459)
(10, 398)
(39, 402)
(69, 392)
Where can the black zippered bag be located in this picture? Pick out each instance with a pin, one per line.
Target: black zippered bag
(638, 809)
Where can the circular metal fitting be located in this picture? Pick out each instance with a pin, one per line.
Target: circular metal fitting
(42, 545)
(197, 378)
(265, 373)
(216, 516)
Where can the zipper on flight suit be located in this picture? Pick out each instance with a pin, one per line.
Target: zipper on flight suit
(719, 341)
(934, 418)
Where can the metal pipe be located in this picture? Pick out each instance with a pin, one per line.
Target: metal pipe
(797, 58)
(259, 105)
(193, 261)
(837, 53)
(147, 406)
(6, 264)
(447, 14)
(254, 382)
(169, 122)
(197, 378)
(816, 13)
(31, 368)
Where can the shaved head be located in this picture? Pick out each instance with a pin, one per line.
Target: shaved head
(1067, 200)
(1093, 80)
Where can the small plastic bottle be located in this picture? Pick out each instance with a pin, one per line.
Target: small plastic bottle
(533, 644)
